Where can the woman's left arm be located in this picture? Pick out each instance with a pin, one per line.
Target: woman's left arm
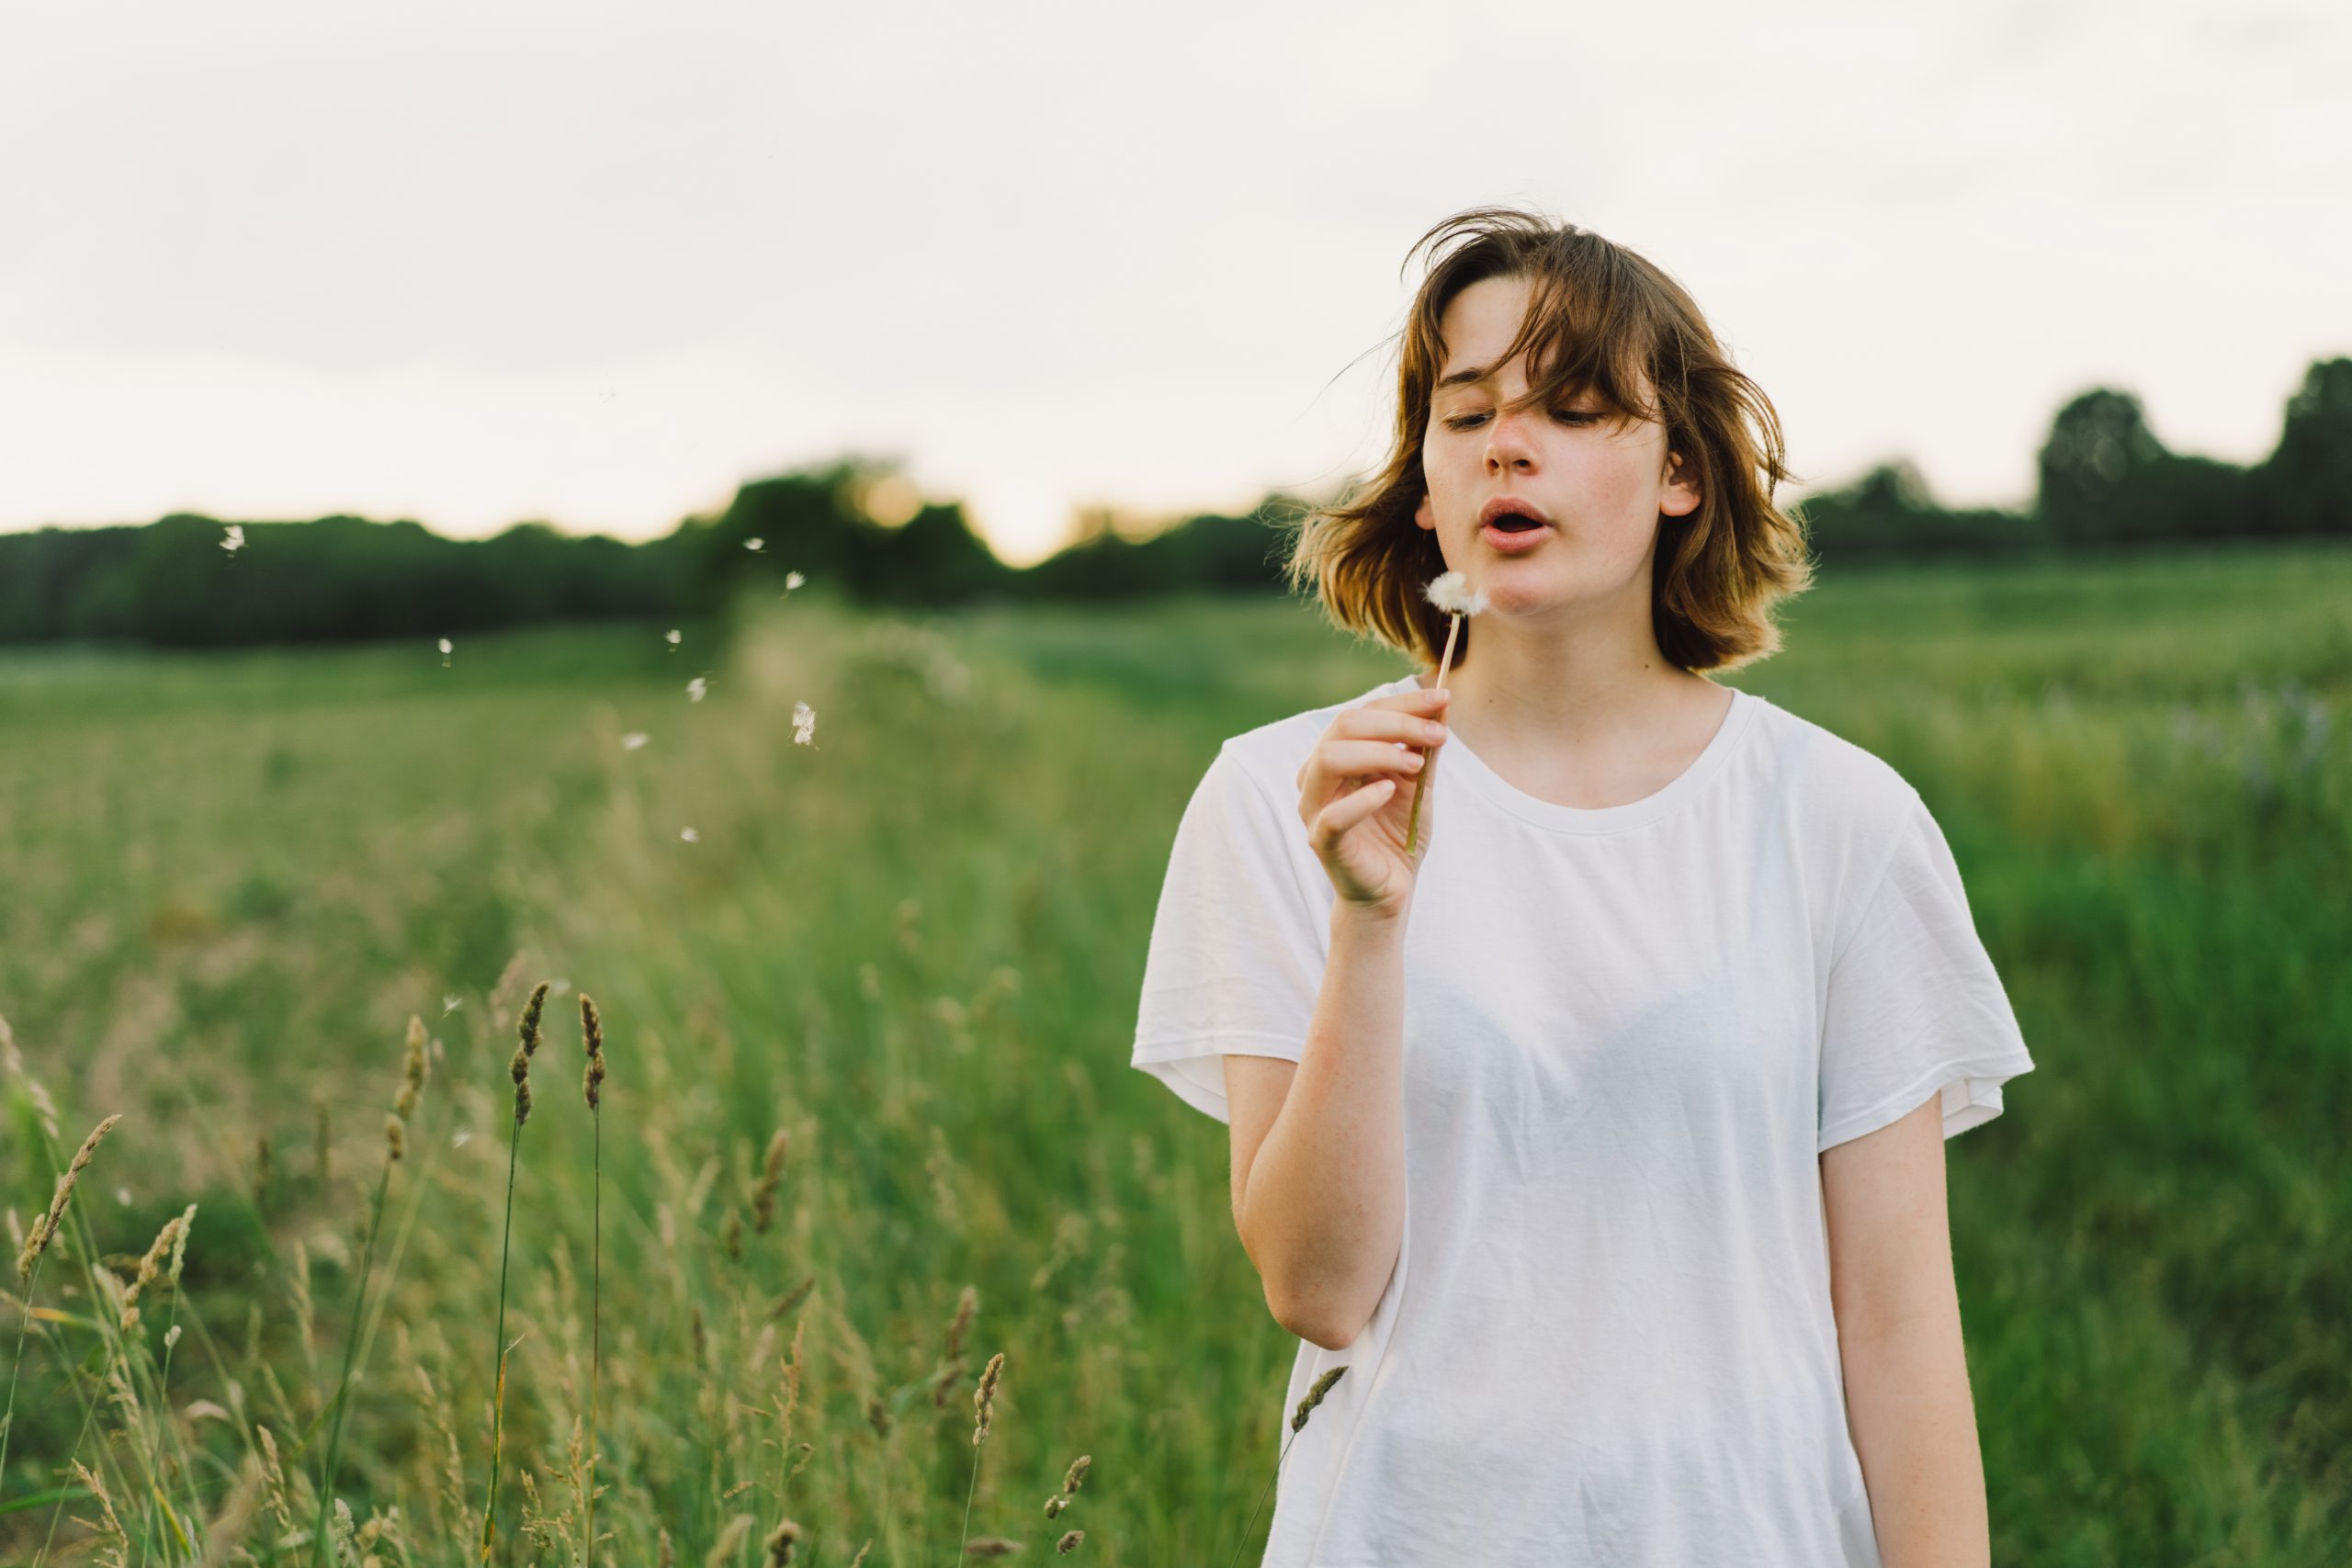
(1908, 1401)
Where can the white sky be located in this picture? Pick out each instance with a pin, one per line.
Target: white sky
(480, 262)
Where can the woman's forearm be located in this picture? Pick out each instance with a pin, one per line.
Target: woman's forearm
(1914, 1425)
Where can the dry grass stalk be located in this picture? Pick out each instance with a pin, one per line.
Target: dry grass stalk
(793, 1297)
(730, 1539)
(592, 1042)
(150, 1268)
(966, 1304)
(993, 1546)
(770, 1176)
(117, 1553)
(1070, 1484)
(861, 1554)
(274, 1475)
(984, 1397)
(45, 1226)
(527, 1030)
(227, 1531)
(1314, 1397)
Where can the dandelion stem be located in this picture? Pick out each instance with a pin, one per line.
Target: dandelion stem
(1413, 821)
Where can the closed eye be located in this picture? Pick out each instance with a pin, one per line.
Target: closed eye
(1464, 422)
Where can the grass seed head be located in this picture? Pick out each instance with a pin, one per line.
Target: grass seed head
(1314, 1397)
(45, 1226)
(150, 1268)
(771, 1177)
(413, 1070)
(993, 1546)
(1076, 1475)
(984, 1398)
(780, 1543)
(395, 1135)
(592, 1040)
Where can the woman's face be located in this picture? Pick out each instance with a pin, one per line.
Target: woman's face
(1599, 488)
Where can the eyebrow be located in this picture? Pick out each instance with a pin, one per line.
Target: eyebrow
(1464, 376)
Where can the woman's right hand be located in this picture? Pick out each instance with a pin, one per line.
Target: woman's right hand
(1356, 793)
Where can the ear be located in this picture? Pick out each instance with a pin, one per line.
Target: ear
(1680, 496)
(1422, 514)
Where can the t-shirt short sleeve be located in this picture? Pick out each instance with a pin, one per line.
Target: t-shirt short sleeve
(1237, 950)
(1915, 1007)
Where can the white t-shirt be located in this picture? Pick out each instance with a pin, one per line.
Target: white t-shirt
(1628, 1034)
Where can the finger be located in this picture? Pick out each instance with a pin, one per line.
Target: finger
(1347, 811)
(1367, 757)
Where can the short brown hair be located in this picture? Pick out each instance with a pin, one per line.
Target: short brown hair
(1608, 321)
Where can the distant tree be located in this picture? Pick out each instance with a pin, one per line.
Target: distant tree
(2306, 485)
(2099, 451)
(1888, 515)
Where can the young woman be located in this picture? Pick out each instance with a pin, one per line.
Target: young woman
(1601, 1138)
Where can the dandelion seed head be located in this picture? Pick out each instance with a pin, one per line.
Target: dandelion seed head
(754, 544)
(696, 688)
(672, 637)
(1450, 591)
(445, 645)
(633, 739)
(804, 723)
(793, 579)
(689, 835)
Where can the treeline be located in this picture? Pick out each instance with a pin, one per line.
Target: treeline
(2104, 481)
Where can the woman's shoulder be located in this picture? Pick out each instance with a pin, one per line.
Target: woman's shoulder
(1840, 789)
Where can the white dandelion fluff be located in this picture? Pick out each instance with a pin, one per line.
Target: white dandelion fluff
(451, 1003)
(689, 835)
(459, 1141)
(633, 739)
(804, 723)
(697, 687)
(1450, 591)
(444, 653)
(793, 579)
(234, 540)
(670, 636)
(754, 545)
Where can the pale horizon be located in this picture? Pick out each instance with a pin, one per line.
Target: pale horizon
(599, 266)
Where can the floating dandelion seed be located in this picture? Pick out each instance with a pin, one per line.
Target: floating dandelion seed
(754, 545)
(804, 723)
(792, 580)
(444, 653)
(633, 739)
(697, 687)
(451, 1003)
(670, 636)
(234, 540)
(689, 835)
(1450, 591)
(459, 1141)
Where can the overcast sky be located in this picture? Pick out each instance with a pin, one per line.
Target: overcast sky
(481, 261)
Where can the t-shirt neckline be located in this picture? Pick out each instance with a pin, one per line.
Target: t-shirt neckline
(1458, 760)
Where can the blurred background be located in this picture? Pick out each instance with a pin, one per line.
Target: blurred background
(763, 515)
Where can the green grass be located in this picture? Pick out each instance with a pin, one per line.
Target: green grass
(226, 882)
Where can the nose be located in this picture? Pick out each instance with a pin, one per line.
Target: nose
(1508, 447)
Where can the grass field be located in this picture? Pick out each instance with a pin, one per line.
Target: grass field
(910, 943)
